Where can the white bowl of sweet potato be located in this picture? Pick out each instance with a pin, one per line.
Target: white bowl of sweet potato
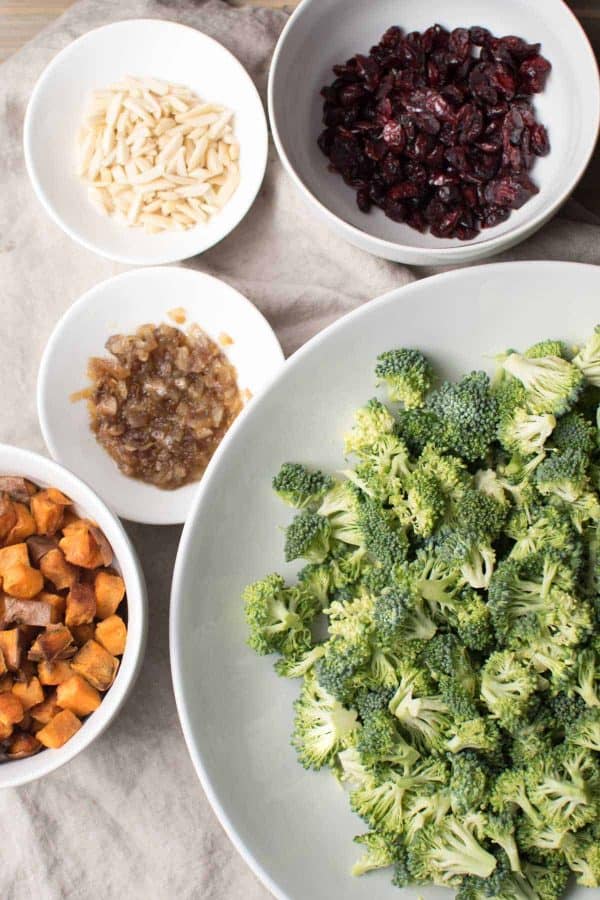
(72, 616)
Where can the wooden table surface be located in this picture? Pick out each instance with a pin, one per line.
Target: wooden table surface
(20, 20)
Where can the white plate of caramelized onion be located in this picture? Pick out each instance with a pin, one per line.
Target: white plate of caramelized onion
(142, 378)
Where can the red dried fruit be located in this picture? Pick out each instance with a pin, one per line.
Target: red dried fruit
(435, 128)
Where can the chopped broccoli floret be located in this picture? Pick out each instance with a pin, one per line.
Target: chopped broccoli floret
(588, 359)
(552, 384)
(308, 537)
(406, 374)
(322, 726)
(524, 432)
(563, 474)
(371, 422)
(278, 618)
(468, 783)
(574, 432)
(299, 487)
(446, 852)
(468, 413)
(380, 851)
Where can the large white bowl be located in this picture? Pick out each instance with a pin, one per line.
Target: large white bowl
(44, 472)
(159, 49)
(324, 32)
(120, 305)
(293, 827)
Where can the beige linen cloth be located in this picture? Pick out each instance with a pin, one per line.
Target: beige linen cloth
(128, 818)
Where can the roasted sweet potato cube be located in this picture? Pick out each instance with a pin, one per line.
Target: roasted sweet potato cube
(17, 488)
(8, 516)
(22, 581)
(106, 551)
(23, 528)
(11, 644)
(110, 590)
(83, 633)
(81, 605)
(45, 710)
(6, 683)
(78, 695)
(59, 729)
(47, 508)
(5, 732)
(12, 556)
(54, 672)
(55, 568)
(22, 745)
(11, 709)
(112, 634)
(26, 612)
(81, 547)
(38, 545)
(30, 694)
(96, 665)
(56, 642)
(57, 605)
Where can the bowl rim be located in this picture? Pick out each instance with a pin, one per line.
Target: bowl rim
(184, 548)
(137, 605)
(465, 250)
(157, 257)
(161, 516)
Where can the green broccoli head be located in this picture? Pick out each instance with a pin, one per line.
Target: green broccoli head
(278, 618)
(468, 783)
(407, 375)
(547, 348)
(508, 687)
(401, 615)
(468, 413)
(380, 851)
(575, 432)
(524, 432)
(446, 852)
(308, 537)
(563, 474)
(322, 726)
(371, 422)
(588, 359)
(300, 487)
(552, 384)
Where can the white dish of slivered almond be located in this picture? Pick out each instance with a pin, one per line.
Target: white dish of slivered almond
(156, 145)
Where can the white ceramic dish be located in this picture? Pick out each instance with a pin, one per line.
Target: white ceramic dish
(44, 472)
(302, 65)
(293, 827)
(119, 306)
(154, 48)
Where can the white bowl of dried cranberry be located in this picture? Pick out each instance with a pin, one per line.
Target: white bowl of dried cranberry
(433, 146)
(84, 671)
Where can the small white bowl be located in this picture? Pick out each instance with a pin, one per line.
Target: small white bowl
(120, 305)
(44, 472)
(149, 47)
(569, 107)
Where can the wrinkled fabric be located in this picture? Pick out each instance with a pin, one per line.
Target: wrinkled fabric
(128, 817)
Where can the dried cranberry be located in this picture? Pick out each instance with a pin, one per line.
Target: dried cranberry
(540, 143)
(363, 200)
(534, 72)
(394, 135)
(479, 36)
